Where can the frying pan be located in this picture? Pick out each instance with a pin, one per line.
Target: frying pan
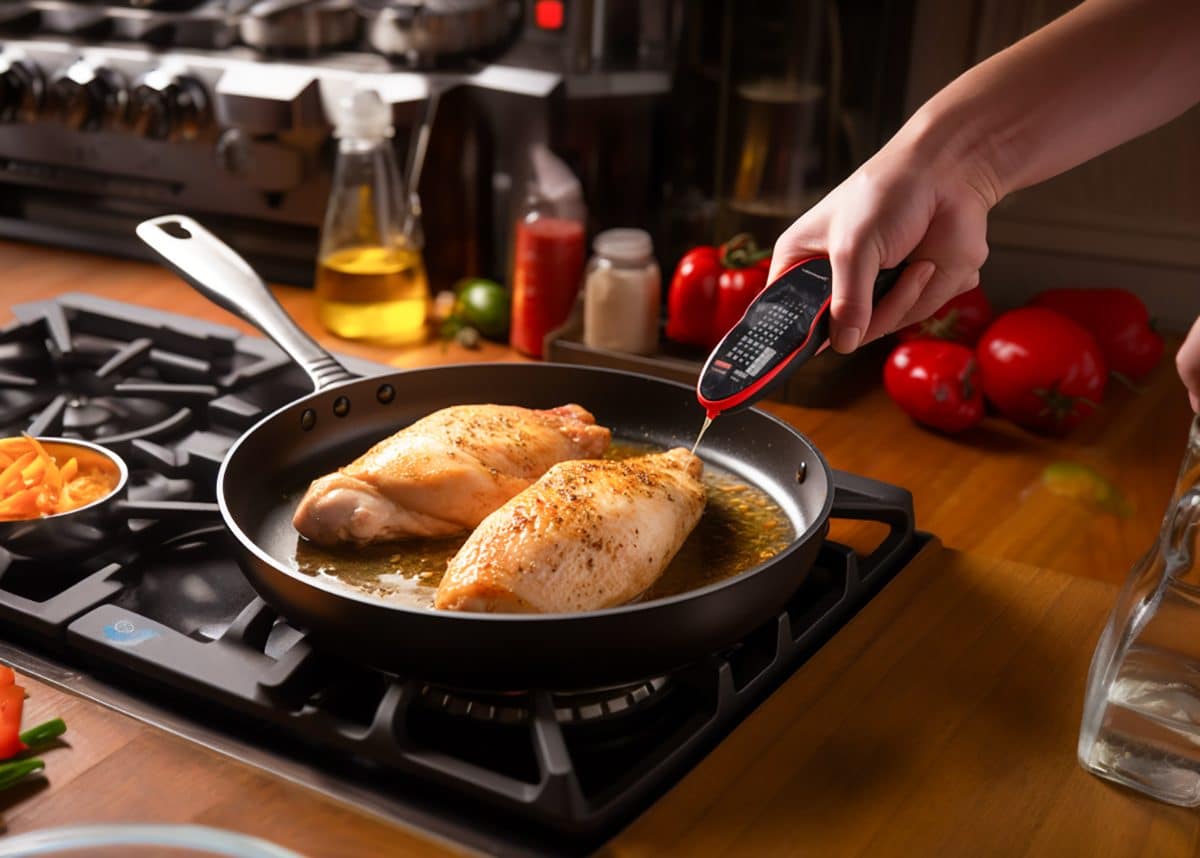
(266, 469)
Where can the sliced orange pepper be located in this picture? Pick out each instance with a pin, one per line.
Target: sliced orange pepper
(13, 471)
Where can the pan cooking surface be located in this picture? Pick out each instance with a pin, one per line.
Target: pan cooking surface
(741, 527)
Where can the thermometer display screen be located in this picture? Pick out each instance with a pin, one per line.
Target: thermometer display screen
(778, 324)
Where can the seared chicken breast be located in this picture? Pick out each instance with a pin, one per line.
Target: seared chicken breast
(445, 473)
(587, 535)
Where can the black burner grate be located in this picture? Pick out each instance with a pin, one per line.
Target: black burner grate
(163, 611)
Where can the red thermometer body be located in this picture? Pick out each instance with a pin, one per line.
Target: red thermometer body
(785, 326)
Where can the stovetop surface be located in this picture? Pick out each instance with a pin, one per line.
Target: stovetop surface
(160, 622)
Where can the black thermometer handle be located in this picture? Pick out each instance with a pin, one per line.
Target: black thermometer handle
(781, 329)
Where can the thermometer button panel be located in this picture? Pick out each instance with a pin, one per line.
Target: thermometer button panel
(776, 325)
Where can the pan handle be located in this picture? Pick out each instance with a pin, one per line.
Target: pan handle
(222, 276)
(863, 499)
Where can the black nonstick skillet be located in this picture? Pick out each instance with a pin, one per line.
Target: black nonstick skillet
(259, 480)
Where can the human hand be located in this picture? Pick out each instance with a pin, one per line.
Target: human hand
(1187, 361)
(916, 200)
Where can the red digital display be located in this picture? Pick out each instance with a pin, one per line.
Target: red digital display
(548, 14)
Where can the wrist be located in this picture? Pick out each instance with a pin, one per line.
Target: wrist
(957, 143)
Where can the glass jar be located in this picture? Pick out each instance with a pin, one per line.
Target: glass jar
(370, 281)
(622, 293)
(1141, 717)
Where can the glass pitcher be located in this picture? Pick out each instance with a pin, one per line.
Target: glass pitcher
(1141, 715)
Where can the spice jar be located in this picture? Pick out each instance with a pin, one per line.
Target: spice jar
(622, 293)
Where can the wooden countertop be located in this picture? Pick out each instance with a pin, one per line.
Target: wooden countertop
(942, 720)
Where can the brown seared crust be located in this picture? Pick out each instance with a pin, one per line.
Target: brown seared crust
(446, 472)
(589, 534)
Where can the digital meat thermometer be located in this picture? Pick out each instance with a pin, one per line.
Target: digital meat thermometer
(785, 326)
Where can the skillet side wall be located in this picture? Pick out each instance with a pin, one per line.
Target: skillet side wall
(278, 457)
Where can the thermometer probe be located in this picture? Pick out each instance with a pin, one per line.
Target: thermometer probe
(784, 326)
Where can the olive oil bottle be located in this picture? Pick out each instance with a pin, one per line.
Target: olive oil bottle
(370, 280)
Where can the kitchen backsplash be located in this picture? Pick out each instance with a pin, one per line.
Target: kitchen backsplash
(1129, 218)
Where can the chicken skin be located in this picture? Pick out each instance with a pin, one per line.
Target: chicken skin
(587, 535)
(445, 473)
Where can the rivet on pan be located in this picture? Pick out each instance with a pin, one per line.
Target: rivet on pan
(308, 419)
(802, 472)
(341, 406)
(386, 393)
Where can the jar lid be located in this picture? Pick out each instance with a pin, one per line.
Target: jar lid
(629, 245)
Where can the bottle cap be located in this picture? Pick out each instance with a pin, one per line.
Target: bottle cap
(627, 245)
(362, 114)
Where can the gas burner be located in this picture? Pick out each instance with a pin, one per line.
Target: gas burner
(570, 707)
(579, 707)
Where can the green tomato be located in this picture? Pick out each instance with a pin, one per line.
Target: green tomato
(483, 305)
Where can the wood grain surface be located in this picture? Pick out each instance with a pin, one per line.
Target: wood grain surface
(942, 720)
(980, 492)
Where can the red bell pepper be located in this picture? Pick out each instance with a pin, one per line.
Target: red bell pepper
(7, 677)
(12, 702)
(1117, 319)
(711, 289)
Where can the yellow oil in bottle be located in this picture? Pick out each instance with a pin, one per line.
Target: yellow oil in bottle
(376, 293)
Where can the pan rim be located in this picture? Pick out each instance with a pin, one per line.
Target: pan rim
(349, 593)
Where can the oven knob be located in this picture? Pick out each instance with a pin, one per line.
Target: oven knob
(235, 152)
(88, 97)
(166, 106)
(22, 87)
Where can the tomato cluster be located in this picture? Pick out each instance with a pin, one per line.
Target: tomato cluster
(1044, 366)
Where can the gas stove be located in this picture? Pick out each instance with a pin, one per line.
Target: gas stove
(113, 111)
(162, 625)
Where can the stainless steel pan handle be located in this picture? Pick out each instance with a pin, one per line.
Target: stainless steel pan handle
(217, 272)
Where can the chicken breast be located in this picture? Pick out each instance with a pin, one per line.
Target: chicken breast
(587, 535)
(445, 473)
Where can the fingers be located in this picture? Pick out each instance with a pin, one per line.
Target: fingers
(940, 291)
(855, 266)
(898, 303)
(1187, 361)
(955, 245)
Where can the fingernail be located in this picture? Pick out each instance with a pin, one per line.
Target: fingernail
(845, 340)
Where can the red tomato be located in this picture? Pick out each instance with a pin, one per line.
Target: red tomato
(934, 383)
(1041, 370)
(1117, 319)
(962, 319)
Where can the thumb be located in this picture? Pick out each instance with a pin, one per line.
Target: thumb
(802, 240)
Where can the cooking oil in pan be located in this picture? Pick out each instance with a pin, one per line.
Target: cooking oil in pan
(741, 527)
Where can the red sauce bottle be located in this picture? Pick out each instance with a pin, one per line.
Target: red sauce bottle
(547, 269)
(548, 255)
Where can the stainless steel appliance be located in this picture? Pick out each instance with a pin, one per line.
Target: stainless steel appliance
(116, 110)
(162, 624)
